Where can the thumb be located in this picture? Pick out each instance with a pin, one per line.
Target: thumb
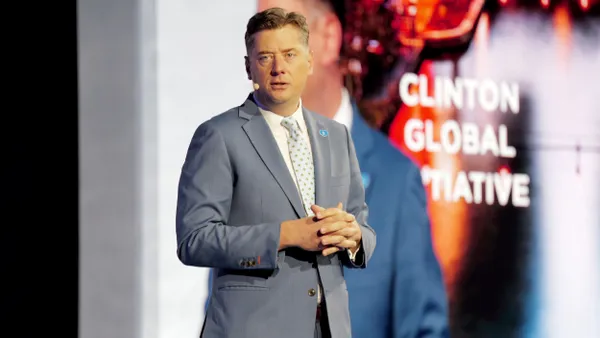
(340, 206)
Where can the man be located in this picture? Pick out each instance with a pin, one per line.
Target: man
(262, 196)
(403, 294)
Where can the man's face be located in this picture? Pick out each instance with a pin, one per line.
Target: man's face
(316, 42)
(280, 64)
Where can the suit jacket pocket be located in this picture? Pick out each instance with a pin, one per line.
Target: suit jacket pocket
(243, 280)
(242, 287)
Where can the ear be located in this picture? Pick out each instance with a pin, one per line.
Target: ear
(247, 65)
(332, 39)
(310, 62)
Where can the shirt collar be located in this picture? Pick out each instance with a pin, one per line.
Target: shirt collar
(275, 120)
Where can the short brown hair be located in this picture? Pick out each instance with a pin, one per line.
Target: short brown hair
(275, 18)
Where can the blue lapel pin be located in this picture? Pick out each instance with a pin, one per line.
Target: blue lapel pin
(323, 132)
(366, 179)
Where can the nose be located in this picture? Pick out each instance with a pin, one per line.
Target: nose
(278, 66)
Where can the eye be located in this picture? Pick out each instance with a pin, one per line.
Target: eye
(290, 55)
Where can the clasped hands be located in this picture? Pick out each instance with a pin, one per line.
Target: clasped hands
(329, 231)
(338, 229)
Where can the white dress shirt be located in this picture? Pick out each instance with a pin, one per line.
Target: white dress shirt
(281, 134)
(345, 112)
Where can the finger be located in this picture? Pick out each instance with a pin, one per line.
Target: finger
(316, 209)
(340, 206)
(346, 244)
(330, 251)
(324, 213)
(343, 217)
(332, 240)
(337, 216)
(329, 228)
(348, 232)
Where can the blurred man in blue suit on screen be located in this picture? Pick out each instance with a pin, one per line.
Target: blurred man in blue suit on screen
(403, 294)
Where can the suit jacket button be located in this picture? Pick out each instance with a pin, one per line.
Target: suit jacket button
(312, 292)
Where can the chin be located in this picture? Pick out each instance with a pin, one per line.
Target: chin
(279, 98)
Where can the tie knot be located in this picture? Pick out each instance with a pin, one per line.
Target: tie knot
(289, 123)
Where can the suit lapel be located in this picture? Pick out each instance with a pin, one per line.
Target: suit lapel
(263, 141)
(321, 157)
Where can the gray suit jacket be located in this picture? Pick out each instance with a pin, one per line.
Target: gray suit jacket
(234, 192)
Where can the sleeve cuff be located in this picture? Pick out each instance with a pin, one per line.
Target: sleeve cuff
(352, 255)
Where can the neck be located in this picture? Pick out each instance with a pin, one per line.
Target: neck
(282, 109)
(329, 86)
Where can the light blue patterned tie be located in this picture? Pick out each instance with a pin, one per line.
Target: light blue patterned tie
(302, 163)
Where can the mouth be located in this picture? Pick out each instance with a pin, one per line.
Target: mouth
(279, 85)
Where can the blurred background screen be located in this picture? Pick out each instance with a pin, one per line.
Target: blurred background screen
(496, 101)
